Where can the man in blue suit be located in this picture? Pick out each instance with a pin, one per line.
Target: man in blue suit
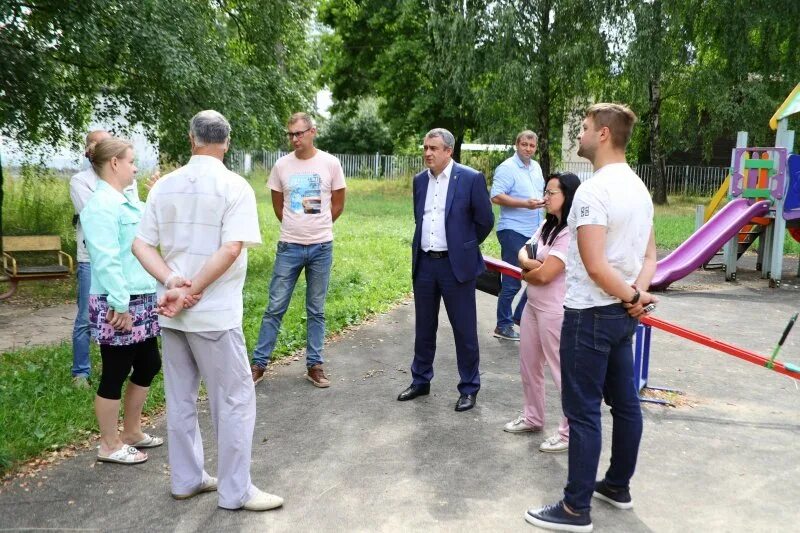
(453, 216)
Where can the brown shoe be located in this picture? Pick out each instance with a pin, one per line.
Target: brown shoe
(317, 376)
(258, 374)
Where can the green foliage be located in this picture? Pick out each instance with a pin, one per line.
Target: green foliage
(540, 58)
(419, 56)
(155, 63)
(38, 203)
(359, 132)
(723, 66)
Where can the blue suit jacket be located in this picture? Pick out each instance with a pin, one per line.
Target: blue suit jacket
(468, 220)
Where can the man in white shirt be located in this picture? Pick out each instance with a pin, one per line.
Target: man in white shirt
(204, 217)
(308, 193)
(611, 260)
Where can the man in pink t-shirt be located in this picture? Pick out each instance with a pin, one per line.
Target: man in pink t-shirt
(308, 191)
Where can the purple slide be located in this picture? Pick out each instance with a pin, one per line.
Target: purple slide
(705, 242)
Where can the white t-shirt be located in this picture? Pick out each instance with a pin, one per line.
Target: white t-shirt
(307, 185)
(616, 198)
(189, 213)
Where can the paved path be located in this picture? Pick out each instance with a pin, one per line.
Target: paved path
(22, 326)
(351, 458)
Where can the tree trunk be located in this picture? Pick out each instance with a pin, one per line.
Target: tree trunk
(654, 118)
(457, 148)
(544, 88)
(656, 155)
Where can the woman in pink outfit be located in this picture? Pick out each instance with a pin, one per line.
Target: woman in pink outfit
(540, 328)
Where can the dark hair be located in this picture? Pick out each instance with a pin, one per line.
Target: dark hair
(568, 183)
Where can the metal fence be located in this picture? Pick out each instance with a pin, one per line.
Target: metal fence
(686, 180)
(354, 165)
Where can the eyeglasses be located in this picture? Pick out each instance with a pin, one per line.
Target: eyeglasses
(299, 134)
(552, 192)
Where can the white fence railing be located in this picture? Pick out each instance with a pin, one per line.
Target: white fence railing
(681, 179)
(354, 165)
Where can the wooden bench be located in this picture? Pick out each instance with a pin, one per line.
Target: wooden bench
(15, 269)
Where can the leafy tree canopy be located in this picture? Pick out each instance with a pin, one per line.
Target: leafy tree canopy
(152, 62)
(359, 132)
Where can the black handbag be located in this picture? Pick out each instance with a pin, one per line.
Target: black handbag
(489, 282)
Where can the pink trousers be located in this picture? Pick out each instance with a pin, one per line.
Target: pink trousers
(540, 336)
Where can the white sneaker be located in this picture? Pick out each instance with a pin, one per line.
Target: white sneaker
(262, 502)
(554, 444)
(520, 426)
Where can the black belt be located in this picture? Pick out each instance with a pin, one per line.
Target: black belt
(436, 255)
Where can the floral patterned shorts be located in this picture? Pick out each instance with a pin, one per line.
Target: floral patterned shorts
(142, 308)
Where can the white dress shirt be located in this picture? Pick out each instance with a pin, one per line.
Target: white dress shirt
(189, 213)
(433, 232)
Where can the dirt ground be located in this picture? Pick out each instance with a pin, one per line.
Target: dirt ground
(22, 326)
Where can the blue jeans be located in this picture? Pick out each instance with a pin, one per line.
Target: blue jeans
(290, 259)
(510, 243)
(81, 365)
(597, 364)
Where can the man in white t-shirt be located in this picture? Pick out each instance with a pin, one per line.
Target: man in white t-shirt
(611, 260)
(203, 217)
(308, 191)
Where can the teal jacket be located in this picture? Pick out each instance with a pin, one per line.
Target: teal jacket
(110, 220)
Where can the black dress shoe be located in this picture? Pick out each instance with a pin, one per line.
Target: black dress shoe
(423, 389)
(465, 402)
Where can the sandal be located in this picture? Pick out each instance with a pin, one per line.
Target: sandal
(124, 456)
(149, 441)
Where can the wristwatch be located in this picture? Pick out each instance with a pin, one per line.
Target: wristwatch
(635, 296)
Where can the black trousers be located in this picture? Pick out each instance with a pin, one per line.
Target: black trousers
(142, 357)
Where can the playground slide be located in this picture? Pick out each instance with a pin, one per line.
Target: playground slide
(706, 241)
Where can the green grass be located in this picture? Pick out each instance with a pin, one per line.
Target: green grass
(39, 410)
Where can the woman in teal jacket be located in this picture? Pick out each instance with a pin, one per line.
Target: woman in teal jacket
(122, 305)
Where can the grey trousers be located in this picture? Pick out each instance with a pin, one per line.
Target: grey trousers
(220, 359)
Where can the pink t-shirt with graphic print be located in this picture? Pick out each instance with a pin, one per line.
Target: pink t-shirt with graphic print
(550, 297)
(307, 185)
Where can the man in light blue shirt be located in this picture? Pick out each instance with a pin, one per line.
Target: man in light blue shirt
(517, 187)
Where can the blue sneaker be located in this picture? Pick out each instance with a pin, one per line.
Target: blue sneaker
(619, 498)
(507, 333)
(556, 518)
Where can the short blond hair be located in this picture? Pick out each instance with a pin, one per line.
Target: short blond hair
(297, 117)
(105, 150)
(618, 118)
